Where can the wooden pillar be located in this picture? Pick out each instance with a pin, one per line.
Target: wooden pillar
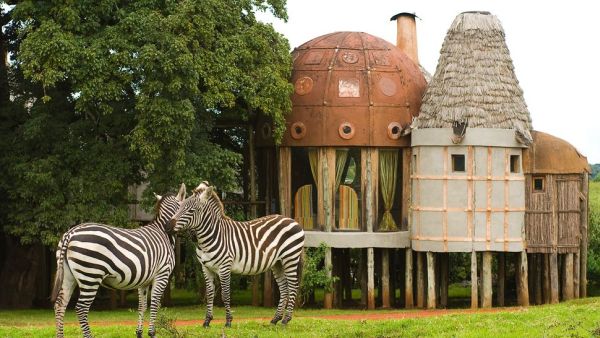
(122, 298)
(444, 278)
(567, 284)
(431, 296)
(370, 279)
(583, 250)
(113, 299)
(420, 280)
(253, 213)
(474, 303)
(385, 278)
(547, 277)
(267, 289)
(487, 280)
(576, 274)
(328, 297)
(522, 283)
(501, 278)
(531, 274)
(408, 279)
(553, 278)
(538, 278)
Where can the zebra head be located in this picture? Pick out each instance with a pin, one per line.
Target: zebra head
(167, 206)
(187, 216)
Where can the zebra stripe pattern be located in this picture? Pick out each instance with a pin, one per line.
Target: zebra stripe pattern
(91, 255)
(224, 246)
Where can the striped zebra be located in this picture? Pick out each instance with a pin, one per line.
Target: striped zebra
(91, 255)
(224, 246)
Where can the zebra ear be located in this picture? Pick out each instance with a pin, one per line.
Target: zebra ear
(201, 187)
(207, 192)
(158, 197)
(182, 192)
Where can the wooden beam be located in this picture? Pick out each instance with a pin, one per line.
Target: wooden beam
(420, 280)
(408, 280)
(370, 279)
(385, 278)
(363, 278)
(576, 274)
(522, 285)
(474, 303)
(285, 172)
(406, 189)
(501, 278)
(267, 289)
(567, 273)
(444, 278)
(487, 280)
(547, 277)
(431, 297)
(583, 251)
(328, 298)
(538, 278)
(553, 278)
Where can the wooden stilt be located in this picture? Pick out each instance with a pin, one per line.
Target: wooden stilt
(267, 289)
(474, 282)
(531, 274)
(501, 278)
(487, 280)
(123, 298)
(567, 283)
(256, 290)
(553, 278)
(547, 277)
(444, 278)
(420, 280)
(370, 279)
(576, 274)
(363, 277)
(431, 296)
(523, 286)
(385, 278)
(538, 278)
(408, 279)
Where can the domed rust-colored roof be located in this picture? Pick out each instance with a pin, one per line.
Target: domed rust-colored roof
(352, 89)
(551, 155)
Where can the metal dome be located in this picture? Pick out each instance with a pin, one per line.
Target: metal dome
(352, 89)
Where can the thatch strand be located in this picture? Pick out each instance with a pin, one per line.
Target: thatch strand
(475, 80)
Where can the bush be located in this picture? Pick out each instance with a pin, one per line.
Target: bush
(594, 232)
(315, 275)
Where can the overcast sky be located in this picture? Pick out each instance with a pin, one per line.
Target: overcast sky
(554, 46)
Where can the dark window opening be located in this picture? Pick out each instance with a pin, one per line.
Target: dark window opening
(538, 184)
(458, 163)
(514, 164)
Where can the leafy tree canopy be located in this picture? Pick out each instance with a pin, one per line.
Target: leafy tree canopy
(103, 94)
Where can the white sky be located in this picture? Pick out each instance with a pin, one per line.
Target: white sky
(555, 47)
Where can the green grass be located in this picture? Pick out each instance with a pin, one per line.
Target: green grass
(594, 197)
(578, 318)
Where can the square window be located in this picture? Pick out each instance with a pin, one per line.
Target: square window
(458, 163)
(538, 184)
(515, 165)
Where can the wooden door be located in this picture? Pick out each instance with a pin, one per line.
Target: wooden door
(568, 213)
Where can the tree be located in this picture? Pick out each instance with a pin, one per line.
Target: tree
(100, 95)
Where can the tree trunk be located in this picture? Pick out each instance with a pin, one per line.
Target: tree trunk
(19, 273)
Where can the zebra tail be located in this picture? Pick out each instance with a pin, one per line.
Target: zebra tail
(300, 267)
(60, 257)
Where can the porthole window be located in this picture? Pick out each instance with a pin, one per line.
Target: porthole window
(458, 163)
(346, 130)
(298, 130)
(394, 130)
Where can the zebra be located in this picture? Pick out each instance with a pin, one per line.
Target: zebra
(224, 246)
(91, 255)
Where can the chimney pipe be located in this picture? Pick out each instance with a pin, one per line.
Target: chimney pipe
(406, 35)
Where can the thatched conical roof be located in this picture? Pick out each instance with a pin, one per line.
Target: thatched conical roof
(475, 80)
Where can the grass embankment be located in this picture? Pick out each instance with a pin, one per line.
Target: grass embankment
(578, 318)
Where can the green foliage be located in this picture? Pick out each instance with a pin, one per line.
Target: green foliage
(595, 172)
(594, 233)
(315, 274)
(101, 95)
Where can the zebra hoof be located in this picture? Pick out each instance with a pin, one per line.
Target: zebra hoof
(275, 320)
(285, 321)
(206, 323)
(139, 334)
(228, 323)
(151, 334)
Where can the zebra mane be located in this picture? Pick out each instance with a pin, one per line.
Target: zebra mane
(158, 204)
(220, 204)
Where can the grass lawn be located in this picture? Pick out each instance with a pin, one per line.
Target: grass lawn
(578, 318)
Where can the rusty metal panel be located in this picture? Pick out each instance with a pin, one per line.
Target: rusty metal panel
(343, 70)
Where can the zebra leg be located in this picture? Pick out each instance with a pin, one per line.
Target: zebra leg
(209, 278)
(142, 303)
(283, 291)
(64, 295)
(291, 274)
(87, 293)
(158, 288)
(225, 278)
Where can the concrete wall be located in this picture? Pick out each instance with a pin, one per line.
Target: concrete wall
(480, 209)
